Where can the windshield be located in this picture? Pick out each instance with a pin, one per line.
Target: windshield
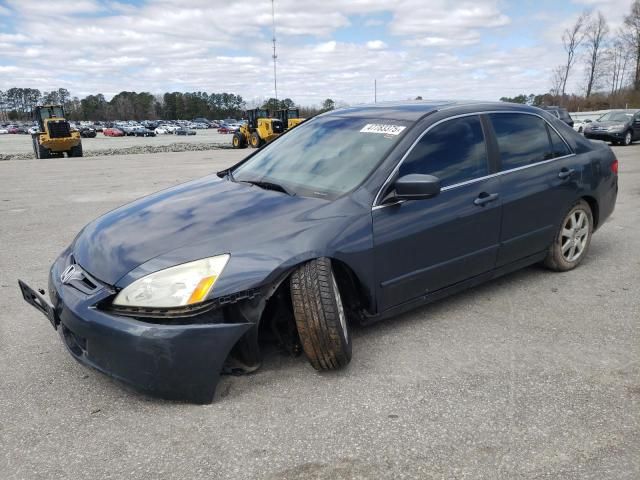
(616, 117)
(325, 157)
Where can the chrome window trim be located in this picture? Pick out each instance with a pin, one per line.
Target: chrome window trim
(377, 206)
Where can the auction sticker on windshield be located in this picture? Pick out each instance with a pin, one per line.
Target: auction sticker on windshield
(382, 128)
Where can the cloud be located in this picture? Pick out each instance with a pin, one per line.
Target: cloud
(376, 45)
(414, 47)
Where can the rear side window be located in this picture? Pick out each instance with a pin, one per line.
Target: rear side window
(560, 148)
(453, 151)
(522, 139)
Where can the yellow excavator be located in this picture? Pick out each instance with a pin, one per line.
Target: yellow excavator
(290, 117)
(259, 129)
(54, 137)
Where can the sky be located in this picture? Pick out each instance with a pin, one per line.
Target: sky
(437, 49)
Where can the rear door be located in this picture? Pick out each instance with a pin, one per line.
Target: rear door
(424, 245)
(539, 176)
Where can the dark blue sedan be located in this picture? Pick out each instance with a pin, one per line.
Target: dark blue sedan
(353, 216)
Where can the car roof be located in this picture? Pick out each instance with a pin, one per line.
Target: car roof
(414, 110)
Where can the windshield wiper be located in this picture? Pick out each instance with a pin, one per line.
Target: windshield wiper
(269, 186)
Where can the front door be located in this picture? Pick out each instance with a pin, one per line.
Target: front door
(422, 246)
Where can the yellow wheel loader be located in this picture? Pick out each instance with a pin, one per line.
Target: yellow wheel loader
(290, 117)
(258, 130)
(55, 137)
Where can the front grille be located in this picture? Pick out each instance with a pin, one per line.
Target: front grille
(59, 129)
(81, 280)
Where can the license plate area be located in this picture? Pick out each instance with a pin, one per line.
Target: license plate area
(39, 302)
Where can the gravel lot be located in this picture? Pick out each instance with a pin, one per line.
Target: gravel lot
(535, 375)
(21, 144)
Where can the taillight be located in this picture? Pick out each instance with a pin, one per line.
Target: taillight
(614, 166)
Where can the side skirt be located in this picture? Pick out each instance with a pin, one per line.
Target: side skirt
(368, 319)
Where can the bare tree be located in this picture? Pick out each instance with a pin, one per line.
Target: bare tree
(632, 30)
(617, 59)
(557, 79)
(595, 33)
(571, 40)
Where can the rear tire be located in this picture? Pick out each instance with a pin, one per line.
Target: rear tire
(43, 152)
(572, 241)
(238, 141)
(320, 316)
(76, 151)
(256, 141)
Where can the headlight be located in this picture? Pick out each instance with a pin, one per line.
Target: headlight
(185, 284)
(613, 128)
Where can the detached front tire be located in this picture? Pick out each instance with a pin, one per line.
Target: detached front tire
(319, 314)
(572, 241)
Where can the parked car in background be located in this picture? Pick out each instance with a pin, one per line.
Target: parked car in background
(185, 131)
(4, 130)
(161, 130)
(113, 132)
(33, 130)
(13, 129)
(87, 132)
(143, 132)
(579, 125)
(559, 112)
(620, 127)
(225, 129)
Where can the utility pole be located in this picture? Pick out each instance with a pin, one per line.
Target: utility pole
(273, 20)
(375, 90)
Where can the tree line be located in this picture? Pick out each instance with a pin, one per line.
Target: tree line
(610, 60)
(18, 103)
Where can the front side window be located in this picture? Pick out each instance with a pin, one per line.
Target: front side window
(453, 151)
(522, 139)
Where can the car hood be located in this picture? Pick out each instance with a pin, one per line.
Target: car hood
(605, 124)
(202, 218)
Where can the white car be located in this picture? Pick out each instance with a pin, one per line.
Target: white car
(161, 130)
(580, 125)
(33, 130)
(3, 131)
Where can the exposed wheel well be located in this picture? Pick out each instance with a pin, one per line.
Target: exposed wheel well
(595, 210)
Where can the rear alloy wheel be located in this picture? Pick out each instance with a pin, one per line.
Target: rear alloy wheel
(255, 140)
(572, 241)
(628, 138)
(320, 317)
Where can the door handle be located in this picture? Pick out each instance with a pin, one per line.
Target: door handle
(566, 173)
(485, 198)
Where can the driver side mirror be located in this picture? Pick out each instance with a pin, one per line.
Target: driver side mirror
(416, 186)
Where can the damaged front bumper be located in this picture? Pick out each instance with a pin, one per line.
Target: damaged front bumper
(176, 361)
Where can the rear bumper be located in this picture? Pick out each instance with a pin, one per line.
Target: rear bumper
(180, 362)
